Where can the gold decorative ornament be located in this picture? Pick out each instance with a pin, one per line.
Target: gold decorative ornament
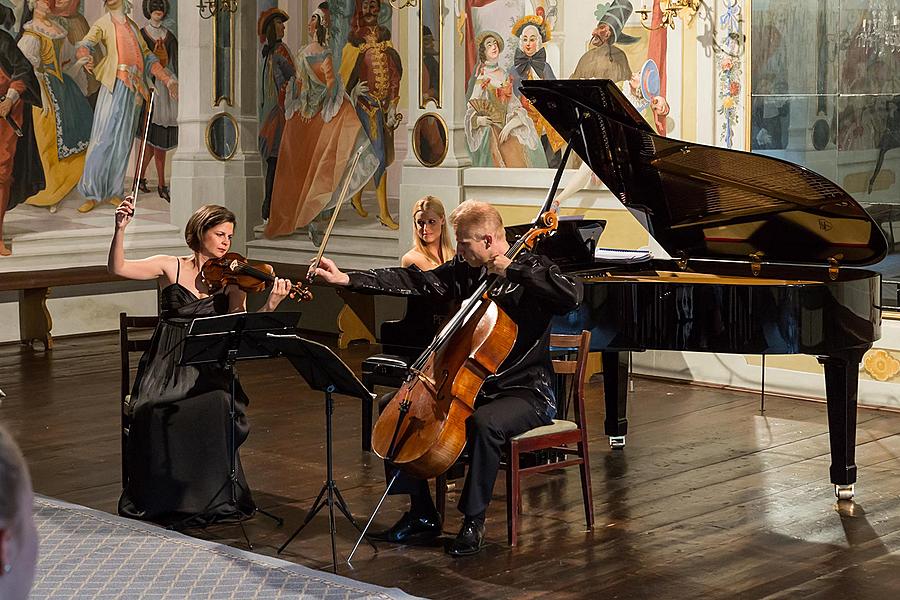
(210, 8)
(671, 9)
(881, 365)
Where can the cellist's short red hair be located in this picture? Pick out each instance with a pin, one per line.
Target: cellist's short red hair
(476, 216)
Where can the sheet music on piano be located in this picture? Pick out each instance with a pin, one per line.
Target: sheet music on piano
(622, 257)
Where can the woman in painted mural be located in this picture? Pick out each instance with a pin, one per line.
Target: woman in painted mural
(63, 126)
(530, 62)
(121, 61)
(163, 135)
(275, 70)
(176, 458)
(498, 130)
(21, 173)
(431, 240)
(321, 134)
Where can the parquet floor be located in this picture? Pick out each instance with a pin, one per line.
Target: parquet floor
(709, 499)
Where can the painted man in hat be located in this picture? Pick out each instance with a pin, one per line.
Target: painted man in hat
(604, 60)
(21, 173)
(121, 61)
(530, 62)
(275, 71)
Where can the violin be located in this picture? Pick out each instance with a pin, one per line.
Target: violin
(234, 269)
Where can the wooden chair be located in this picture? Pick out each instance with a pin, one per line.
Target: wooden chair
(566, 437)
(127, 327)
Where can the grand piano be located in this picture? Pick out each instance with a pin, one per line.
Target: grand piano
(765, 257)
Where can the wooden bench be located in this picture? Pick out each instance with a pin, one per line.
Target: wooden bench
(34, 287)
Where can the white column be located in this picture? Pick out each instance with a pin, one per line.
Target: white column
(197, 177)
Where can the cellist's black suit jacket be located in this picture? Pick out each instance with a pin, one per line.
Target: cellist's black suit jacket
(533, 291)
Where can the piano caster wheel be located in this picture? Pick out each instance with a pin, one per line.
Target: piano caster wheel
(844, 492)
(616, 441)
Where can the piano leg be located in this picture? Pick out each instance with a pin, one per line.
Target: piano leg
(841, 386)
(615, 396)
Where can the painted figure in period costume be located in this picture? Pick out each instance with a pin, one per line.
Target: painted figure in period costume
(63, 127)
(499, 132)
(163, 135)
(604, 60)
(123, 70)
(530, 62)
(21, 173)
(77, 27)
(321, 134)
(371, 70)
(276, 69)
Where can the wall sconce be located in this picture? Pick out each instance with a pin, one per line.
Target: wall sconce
(398, 4)
(209, 8)
(670, 10)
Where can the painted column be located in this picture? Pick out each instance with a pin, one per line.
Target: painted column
(198, 178)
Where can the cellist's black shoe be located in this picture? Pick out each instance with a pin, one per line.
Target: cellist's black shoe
(411, 530)
(469, 541)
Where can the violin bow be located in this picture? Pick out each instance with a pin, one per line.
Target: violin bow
(135, 188)
(315, 263)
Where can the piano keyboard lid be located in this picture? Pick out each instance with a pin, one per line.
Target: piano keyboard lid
(707, 202)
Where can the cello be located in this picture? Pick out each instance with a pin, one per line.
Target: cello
(422, 430)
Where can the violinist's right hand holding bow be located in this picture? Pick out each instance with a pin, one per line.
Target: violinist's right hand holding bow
(328, 272)
(124, 213)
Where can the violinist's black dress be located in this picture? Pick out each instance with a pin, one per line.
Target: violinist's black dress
(177, 454)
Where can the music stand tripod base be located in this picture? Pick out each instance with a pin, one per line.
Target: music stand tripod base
(330, 494)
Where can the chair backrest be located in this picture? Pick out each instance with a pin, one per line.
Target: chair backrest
(572, 368)
(127, 344)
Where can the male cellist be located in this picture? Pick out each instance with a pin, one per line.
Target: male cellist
(518, 398)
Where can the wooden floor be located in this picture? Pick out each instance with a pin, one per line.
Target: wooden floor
(709, 499)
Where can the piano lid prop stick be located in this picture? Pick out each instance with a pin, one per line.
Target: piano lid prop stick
(548, 202)
(12, 122)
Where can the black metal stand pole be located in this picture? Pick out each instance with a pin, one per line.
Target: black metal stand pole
(329, 494)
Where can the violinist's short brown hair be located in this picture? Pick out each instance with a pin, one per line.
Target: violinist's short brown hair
(205, 218)
(477, 217)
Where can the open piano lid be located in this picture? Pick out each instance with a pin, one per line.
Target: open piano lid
(708, 202)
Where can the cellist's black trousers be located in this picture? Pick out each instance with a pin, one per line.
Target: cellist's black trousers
(492, 424)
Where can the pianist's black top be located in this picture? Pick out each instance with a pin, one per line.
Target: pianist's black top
(533, 291)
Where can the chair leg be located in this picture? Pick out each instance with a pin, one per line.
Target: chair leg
(366, 427)
(587, 496)
(513, 500)
(440, 495)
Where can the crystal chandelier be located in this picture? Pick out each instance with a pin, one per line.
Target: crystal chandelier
(880, 30)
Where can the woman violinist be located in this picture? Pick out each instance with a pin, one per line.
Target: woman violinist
(177, 456)
(519, 397)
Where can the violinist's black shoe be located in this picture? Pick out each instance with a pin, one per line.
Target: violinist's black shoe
(470, 539)
(411, 530)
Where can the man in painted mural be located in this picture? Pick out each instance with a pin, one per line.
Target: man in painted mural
(431, 75)
(530, 62)
(163, 134)
(371, 69)
(276, 70)
(121, 61)
(21, 173)
(604, 60)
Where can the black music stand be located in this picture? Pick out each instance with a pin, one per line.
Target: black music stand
(226, 339)
(324, 372)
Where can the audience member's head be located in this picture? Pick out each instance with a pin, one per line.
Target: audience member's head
(18, 534)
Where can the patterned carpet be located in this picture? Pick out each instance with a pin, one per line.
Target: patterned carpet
(87, 554)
